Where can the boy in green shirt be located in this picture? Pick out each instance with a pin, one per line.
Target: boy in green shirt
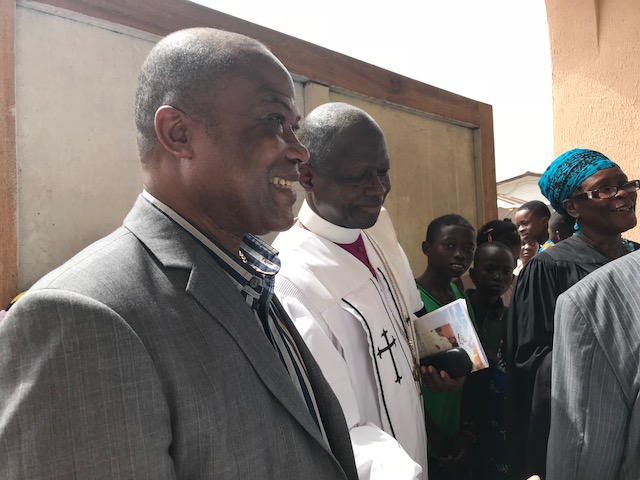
(449, 246)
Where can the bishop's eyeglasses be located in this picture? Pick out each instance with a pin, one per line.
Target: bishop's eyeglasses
(611, 191)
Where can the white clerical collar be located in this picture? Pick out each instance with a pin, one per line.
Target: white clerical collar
(318, 225)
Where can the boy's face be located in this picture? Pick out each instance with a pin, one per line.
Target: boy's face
(451, 252)
(531, 226)
(492, 272)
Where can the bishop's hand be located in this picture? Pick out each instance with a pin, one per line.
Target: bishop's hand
(437, 382)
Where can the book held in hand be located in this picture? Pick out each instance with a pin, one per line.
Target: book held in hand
(449, 327)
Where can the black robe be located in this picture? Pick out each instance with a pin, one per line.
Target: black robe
(529, 345)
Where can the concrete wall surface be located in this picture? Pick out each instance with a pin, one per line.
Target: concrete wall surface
(596, 79)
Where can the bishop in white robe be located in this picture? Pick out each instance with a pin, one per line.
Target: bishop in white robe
(356, 322)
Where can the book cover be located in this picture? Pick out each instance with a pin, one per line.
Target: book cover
(448, 327)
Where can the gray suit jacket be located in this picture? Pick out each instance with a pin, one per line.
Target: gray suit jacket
(595, 388)
(139, 359)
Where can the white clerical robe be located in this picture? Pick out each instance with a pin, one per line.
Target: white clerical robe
(354, 323)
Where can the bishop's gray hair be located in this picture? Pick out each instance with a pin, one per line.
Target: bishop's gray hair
(320, 130)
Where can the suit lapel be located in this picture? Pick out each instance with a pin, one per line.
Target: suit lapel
(214, 290)
(330, 409)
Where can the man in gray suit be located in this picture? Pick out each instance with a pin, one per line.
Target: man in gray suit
(595, 412)
(159, 351)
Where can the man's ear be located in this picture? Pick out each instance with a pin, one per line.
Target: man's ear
(307, 176)
(172, 130)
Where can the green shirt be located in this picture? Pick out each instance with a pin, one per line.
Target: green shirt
(444, 408)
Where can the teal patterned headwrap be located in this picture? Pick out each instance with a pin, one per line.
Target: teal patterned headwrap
(567, 172)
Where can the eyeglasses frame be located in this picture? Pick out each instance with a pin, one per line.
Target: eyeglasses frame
(595, 193)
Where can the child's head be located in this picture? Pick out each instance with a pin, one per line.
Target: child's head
(532, 220)
(492, 271)
(503, 231)
(560, 227)
(528, 250)
(449, 245)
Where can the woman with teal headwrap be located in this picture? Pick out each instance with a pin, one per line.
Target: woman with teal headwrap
(595, 192)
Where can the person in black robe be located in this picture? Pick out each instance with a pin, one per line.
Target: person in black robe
(594, 191)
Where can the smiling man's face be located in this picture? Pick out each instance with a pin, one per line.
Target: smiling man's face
(247, 154)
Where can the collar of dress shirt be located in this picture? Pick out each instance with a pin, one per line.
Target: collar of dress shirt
(261, 257)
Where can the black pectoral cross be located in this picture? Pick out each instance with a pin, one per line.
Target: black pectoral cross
(388, 348)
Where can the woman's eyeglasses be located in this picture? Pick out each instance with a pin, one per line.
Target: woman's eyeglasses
(612, 191)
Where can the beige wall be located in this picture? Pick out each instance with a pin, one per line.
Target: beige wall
(76, 156)
(78, 170)
(596, 86)
(76, 149)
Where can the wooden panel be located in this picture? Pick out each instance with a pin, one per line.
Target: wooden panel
(486, 160)
(318, 64)
(161, 17)
(8, 240)
(468, 189)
